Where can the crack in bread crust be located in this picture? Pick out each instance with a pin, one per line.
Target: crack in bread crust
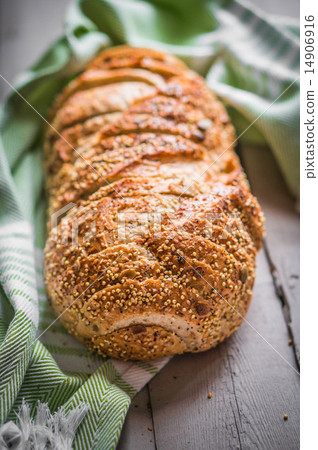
(152, 141)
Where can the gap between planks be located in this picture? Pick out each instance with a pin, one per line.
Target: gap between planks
(282, 246)
(252, 386)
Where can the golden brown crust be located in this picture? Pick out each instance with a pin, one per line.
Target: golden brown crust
(125, 56)
(104, 162)
(158, 255)
(115, 97)
(62, 147)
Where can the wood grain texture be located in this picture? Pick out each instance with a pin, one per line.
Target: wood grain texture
(282, 231)
(136, 434)
(252, 386)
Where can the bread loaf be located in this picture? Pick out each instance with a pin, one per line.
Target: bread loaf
(156, 252)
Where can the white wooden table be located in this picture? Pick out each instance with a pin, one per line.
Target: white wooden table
(252, 376)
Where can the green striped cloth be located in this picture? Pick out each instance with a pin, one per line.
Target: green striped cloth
(248, 58)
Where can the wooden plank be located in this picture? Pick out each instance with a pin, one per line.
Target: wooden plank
(282, 230)
(135, 434)
(252, 386)
(184, 417)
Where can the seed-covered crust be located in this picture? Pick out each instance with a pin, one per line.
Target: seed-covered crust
(157, 256)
